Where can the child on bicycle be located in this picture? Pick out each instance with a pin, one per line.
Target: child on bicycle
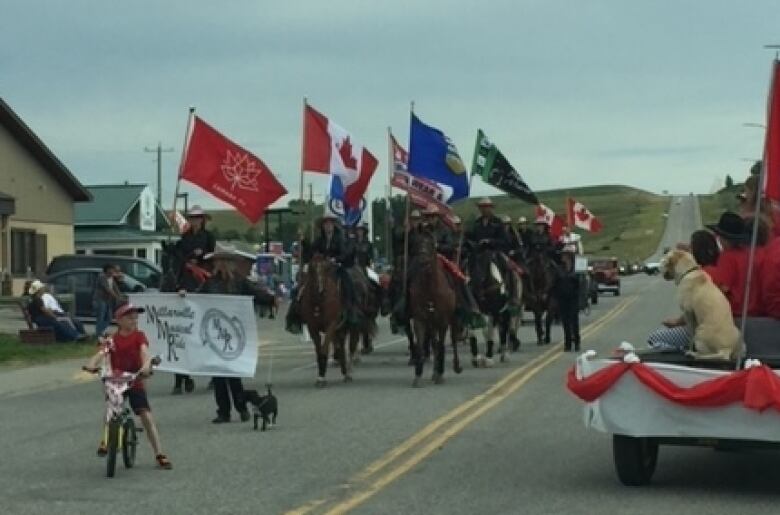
(128, 351)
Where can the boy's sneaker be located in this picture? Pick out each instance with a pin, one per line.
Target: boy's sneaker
(102, 450)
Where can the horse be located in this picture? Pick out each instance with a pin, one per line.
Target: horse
(493, 297)
(432, 309)
(395, 291)
(323, 311)
(538, 294)
(367, 306)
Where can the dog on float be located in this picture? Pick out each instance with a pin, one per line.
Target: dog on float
(705, 309)
(265, 407)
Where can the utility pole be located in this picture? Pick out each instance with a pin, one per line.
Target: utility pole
(159, 151)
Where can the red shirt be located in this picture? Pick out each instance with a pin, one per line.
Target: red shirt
(770, 285)
(126, 355)
(730, 274)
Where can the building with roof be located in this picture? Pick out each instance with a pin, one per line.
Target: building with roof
(37, 195)
(121, 220)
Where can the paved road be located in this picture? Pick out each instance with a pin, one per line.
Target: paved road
(502, 440)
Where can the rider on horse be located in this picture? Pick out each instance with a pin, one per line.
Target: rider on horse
(446, 247)
(488, 233)
(400, 246)
(515, 249)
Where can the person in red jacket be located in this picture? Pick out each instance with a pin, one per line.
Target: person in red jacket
(730, 271)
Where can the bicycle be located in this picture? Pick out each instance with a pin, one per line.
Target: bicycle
(120, 430)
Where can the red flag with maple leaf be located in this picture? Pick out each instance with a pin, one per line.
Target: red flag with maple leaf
(329, 148)
(581, 217)
(545, 215)
(229, 172)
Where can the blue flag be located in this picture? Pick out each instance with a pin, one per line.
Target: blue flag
(433, 155)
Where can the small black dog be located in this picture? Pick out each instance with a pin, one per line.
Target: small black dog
(265, 406)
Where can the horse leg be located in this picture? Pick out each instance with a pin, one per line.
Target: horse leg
(548, 319)
(322, 356)
(503, 332)
(438, 353)
(410, 336)
(490, 338)
(421, 335)
(475, 359)
(454, 336)
(539, 327)
(346, 355)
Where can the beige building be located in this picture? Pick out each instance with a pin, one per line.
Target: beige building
(37, 193)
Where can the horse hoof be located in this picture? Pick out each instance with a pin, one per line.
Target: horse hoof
(416, 383)
(437, 379)
(411, 362)
(334, 362)
(368, 350)
(475, 362)
(356, 359)
(347, 378)
(457, 369)
(504, 358)
(321, 382)
(488, 363)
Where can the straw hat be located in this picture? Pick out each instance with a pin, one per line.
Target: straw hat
(197, 212)
(485, 202)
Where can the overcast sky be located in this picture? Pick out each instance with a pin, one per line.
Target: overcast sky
(647, 93)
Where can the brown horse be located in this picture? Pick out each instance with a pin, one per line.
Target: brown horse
(322, 311)
(432, 309)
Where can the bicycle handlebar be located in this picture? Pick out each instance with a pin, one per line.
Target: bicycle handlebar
(155, 361)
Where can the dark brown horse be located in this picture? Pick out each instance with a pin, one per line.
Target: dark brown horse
(322, 311)
(538, 294)
(432, 309)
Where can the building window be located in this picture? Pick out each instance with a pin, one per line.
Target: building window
(28, 252)
(141, 253)
(81, 252)
(157, 256)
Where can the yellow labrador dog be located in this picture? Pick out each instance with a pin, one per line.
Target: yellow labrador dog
(705, 309)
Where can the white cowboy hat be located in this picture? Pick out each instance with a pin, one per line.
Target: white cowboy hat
(197, 212)
(415, 214)
(506, 219)
(522, 220)
(431, 209)
(456, 219)
(485, 202)
(35, 287)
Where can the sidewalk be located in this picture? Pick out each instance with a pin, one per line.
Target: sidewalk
(29, 379)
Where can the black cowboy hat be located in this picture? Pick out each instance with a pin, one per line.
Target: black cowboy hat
(731, 227)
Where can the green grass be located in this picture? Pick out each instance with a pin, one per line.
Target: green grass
(14, 352)
(632, 218)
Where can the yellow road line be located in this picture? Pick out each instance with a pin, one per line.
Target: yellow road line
(485, 401)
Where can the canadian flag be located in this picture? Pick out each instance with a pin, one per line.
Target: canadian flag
(229, 172)
(545, 215)
(581, 217)
(772, 138)
(329, 148)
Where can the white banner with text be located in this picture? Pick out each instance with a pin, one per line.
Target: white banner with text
(202, 335)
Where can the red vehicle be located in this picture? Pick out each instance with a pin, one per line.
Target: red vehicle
(606, 273)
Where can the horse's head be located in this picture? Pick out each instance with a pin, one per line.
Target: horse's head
(319, 271)
(426, 245)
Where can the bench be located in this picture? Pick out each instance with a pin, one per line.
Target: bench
(34, 335)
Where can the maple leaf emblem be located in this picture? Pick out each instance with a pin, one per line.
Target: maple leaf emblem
(240, 171)
(583, 215)
(345, 151)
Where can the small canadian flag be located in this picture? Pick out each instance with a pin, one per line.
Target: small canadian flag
(545, 215)
(580, 216)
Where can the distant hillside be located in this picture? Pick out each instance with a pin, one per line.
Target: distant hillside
(632, 218)
(712, 206)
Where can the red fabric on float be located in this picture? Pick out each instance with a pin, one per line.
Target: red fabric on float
(757, 388)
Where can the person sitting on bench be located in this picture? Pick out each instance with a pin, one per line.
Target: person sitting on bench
(46, 311)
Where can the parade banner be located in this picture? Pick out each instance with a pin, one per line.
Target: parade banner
(490, 164)
(202, 335)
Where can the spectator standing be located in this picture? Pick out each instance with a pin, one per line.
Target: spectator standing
(105, 299)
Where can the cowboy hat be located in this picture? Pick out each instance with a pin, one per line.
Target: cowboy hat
(126, 309)
(506, 219)
(730, 227)
(456, 219)
(415, 214)
(485, 202)
(197, 212)
(522, 220)
(541, 220)
(35, 287)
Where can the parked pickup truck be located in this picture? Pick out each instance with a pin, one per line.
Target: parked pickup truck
(606, 273)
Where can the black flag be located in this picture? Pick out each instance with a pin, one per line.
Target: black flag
(490, 164)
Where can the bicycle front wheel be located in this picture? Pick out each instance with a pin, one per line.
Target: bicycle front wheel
(129, 443)
(113, 447)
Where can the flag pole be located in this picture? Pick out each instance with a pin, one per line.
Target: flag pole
(307, 211)
(462, 228)
(407, 227)
(184, 148)
(388, 193)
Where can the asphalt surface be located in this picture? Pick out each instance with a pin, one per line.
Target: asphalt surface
(509, 439)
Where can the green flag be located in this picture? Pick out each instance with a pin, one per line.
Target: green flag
(490, 164)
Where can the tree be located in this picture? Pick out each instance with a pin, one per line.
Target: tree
(729, 182)
(251, 235)
(231, 234)
(756, 168)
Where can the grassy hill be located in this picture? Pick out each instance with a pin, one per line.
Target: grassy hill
(633, 219)
(712, 206)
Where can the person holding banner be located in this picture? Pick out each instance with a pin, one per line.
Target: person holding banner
(227, 279)
(193, 246)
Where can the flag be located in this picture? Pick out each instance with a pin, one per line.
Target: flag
(490, 164)
(422, 192)
(329, 148)
(772, 138)
(229, 172)
(580, 216)
(546, 215)
(180, 221)
(433, 156)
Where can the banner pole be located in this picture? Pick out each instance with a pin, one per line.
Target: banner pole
(303, 212)
(463, 228)
(388, 194)
(184, 148)
(408, 232)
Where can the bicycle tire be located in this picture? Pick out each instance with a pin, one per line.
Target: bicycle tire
(129, 443)
(113, 447)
